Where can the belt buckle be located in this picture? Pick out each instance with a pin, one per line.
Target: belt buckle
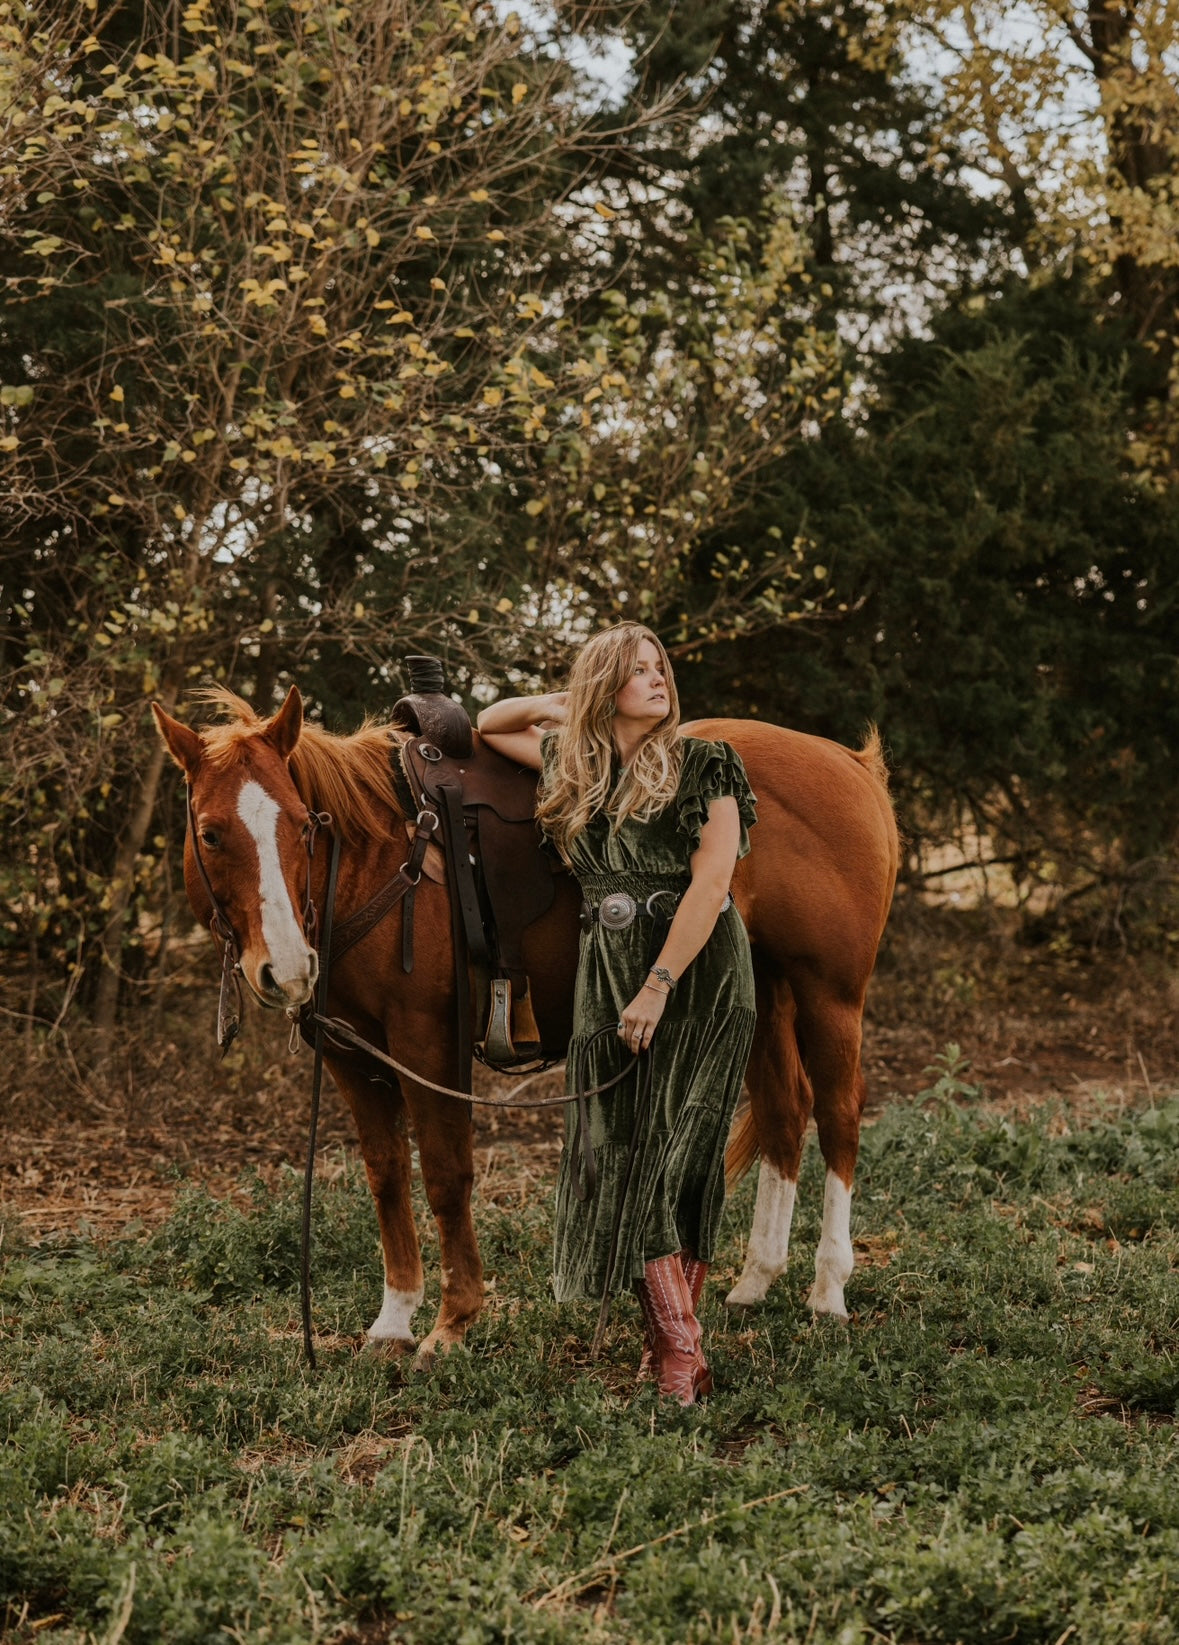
(617, 911)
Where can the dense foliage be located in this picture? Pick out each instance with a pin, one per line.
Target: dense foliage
(820, 338)
(987, 1453)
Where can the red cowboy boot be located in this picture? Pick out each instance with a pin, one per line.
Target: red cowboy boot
(673, 1330)
(694, 1273)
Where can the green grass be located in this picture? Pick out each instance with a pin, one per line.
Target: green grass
(987, 1454)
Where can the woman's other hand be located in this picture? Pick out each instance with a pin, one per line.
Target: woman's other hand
(641, 1018)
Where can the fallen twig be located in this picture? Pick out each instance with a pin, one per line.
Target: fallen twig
(594, 1573)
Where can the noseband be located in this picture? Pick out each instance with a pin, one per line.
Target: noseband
(229, 1004)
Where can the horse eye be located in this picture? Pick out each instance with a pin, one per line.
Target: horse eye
(211, 838)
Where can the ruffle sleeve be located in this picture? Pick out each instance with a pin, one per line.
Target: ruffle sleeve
(711, 771)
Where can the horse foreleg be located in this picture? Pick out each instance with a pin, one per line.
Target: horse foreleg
(443, 1130)
(383, 1133)
(831, 1032)
(780, 1102)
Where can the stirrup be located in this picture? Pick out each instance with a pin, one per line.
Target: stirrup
(499, 1049)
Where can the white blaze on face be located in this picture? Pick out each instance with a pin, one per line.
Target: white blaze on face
(834, 1260)
(392, 1324)
(287, 952)
(769, 1238)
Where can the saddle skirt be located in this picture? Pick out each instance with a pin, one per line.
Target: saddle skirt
(499, 877)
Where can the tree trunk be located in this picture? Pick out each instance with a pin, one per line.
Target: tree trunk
(106, 997)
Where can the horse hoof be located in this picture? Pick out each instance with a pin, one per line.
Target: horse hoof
(432, 1347)
(828, 1309)
(746, 1294)
(390, 1347)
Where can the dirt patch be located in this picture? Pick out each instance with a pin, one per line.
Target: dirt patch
(107, 1153)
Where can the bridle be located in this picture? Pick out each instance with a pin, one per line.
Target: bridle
(229, 1005)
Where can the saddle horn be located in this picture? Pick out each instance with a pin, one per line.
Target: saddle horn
(428, 712)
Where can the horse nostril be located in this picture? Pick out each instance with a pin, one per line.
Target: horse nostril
(266, 976)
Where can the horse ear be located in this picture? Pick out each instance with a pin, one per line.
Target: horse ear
(283, 730)
(184, 744)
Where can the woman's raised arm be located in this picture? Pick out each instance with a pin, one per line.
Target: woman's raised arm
(514, 726)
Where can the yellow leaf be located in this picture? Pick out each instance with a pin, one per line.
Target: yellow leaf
(347, 392)
(519, 92)
(534, 506)
(424, 233)
(472, 615)
(402, 318)
(503, 605)
(604, 211)
(373, 238)
(479, 195)
(9, 443)
(437, 285)
(179, 512)
(496, 235)
(117, 394)
(463, 331)
(492, 396)
(117, 500)
(358, 609)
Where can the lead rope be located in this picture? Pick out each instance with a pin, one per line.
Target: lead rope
(660, 925)
(316, 1088)
(646, 1062)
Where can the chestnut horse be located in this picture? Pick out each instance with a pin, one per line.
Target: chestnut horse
(814, 894)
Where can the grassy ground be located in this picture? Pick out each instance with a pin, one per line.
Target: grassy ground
(986, 1454)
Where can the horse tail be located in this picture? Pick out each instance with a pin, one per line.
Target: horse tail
(742, 1148)
(871, 756)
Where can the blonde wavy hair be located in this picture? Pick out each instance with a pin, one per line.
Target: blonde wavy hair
(578, 783)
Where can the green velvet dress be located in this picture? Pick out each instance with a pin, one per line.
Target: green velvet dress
(676, 1189)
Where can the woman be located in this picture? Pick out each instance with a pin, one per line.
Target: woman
(652, 824)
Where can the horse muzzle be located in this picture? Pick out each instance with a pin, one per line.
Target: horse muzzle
(279, 993)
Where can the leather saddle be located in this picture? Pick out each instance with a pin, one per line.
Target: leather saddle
(499, 878)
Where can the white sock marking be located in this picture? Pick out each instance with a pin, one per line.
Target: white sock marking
(392, 1324)
(769, 1238)
(287, 952)
(834, 1259)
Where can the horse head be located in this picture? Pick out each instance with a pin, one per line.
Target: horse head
(246, 852)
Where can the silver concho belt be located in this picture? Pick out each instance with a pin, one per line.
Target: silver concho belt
(617, 911)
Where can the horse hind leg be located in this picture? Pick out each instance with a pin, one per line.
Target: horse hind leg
(779, 1106)
(383, 1134)
(831, 1030)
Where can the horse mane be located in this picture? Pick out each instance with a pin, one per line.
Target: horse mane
(345, 775)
